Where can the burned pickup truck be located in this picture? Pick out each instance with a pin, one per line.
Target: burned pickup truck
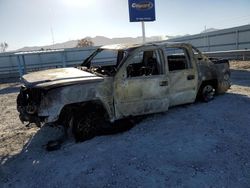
(119, 81)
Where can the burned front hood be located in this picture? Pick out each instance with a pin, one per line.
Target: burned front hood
(58, 77)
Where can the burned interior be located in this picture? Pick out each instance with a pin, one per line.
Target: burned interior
(95, 64)
(144, 63)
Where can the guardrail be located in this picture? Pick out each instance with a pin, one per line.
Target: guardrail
(235, 38)
(17, 64)
(230, 55)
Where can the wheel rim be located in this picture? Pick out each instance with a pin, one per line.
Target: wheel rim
(208, 93)
(84, 125)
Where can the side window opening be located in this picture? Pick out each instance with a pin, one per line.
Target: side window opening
(178, 59)
(145, 63)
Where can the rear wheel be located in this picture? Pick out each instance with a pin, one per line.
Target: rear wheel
(207, 92)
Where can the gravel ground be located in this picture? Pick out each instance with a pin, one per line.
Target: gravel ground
(197, 145)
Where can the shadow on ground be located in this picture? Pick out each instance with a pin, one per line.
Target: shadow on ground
(10, 89)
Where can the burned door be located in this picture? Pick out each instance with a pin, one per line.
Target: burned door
(141, 86)
(182, 74)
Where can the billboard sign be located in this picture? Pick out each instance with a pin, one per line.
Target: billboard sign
(141, 10)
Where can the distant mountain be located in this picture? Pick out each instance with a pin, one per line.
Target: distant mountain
(68, 44)
(98, 41)
(101, 40)
(176, 36)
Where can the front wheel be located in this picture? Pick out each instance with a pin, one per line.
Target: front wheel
(207, 92)
(84, 126)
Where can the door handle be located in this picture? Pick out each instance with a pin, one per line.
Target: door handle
(164, 83)
(190, 77)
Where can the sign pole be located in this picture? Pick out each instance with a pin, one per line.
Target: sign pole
(141, 11)
(143, 32)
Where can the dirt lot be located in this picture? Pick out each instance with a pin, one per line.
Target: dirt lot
(197, 145)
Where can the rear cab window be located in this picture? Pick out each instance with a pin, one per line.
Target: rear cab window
(178, 59)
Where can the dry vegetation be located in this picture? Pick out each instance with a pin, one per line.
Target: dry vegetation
(240, 65)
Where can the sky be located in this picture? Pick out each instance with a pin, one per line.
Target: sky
(40, 22)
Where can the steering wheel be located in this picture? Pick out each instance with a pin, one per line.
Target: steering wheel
(145, 70)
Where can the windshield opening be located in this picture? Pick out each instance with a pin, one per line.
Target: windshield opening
(104, 61)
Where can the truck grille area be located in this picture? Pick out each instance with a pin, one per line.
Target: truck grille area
(29, 95)
(28, 101)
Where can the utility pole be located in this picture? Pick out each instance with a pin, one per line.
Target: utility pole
(52, 35)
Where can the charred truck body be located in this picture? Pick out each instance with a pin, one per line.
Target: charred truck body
(134, 80)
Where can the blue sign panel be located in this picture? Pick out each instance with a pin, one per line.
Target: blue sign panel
(141, 10)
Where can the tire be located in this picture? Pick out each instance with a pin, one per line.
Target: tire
(207, 92)
(84, 126)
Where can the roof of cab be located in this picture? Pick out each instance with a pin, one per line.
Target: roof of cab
(136, 45)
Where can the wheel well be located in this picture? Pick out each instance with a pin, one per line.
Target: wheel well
(69, 110)
(213, 82)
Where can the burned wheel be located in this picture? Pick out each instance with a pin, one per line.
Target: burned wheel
(84, 126)
(207, 92)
